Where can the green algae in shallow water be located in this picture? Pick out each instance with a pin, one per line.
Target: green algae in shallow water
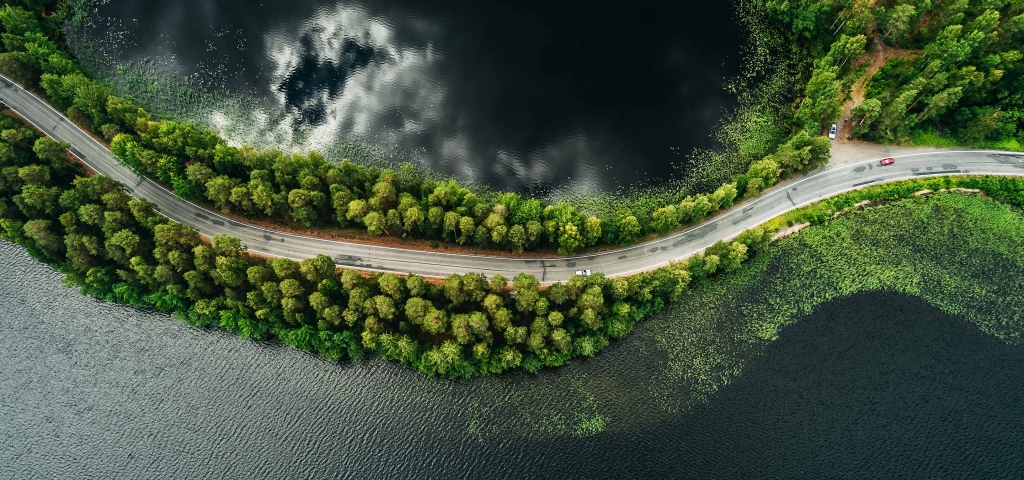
(547, 409)
(963, 254)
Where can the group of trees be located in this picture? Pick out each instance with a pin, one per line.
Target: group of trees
(307, 189)
(120, 249)
(963, 77)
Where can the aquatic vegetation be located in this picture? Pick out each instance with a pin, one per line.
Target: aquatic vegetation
(961, 253)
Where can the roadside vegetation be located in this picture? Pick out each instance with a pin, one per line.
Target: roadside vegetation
(958, 78)
(962, 253)
(305, 188)
(118, 248)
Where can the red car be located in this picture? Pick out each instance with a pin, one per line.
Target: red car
(887, 161)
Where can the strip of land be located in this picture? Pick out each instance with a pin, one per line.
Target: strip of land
(825, 182)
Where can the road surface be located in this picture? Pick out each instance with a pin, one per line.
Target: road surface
(828, 181)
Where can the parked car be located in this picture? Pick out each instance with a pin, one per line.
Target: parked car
(832, 132)
(887, 161)
(583, 273)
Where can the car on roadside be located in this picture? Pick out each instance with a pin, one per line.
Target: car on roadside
(583, 273)
(832, 132)
(887, 161)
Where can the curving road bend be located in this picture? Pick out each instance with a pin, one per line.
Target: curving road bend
(825, 182)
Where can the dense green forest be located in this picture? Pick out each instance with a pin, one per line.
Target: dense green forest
(304, 188)
(118, 248)
(952, 68)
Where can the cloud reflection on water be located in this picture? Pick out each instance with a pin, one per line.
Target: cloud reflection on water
(347, 74)
(528, 96)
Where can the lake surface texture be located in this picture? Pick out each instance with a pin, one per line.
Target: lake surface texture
(873, 386)
(522, 95)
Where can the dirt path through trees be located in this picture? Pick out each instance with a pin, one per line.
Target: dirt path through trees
(879, 55)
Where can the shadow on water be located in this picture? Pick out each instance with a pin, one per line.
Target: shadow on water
(876, 385)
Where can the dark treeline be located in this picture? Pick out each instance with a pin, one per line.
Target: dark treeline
(958, 74)
(306, 189)
(118, 248)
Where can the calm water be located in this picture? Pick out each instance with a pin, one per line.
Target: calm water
(869, 387)
(524, 95)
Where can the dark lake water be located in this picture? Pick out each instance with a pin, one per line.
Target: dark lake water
(523, 95)
(874, 386)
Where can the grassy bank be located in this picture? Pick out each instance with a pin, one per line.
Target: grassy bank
(933, 139)
(961, 253)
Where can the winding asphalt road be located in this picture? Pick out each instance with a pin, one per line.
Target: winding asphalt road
(824, 182)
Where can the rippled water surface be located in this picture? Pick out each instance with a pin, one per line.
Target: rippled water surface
(524, 95)
(870, 387)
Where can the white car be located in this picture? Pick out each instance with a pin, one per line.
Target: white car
(583, 273)
(832, 132)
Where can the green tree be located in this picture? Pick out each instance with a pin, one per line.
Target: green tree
(392, 285)
(444, 360)
(304, 205)
(375, 223)
(357, 210)
(527, 292)
(865, 114)
(898, 21)
(517, 238)
(724, 196)
(592, 231)
(570, 240)
(453, 289)
(629, 230)
(498, 284)
(435, 322)
(701, 208)
(416, 309)
(51, 150)
(218, 191)
(231, 271)
(664, 219)
(41, 232)
(416, 285)
(466, 229)
(414, 219)
(823, 100)
(122, 246)
(802, 153)
(286, 268)
(317, 269)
